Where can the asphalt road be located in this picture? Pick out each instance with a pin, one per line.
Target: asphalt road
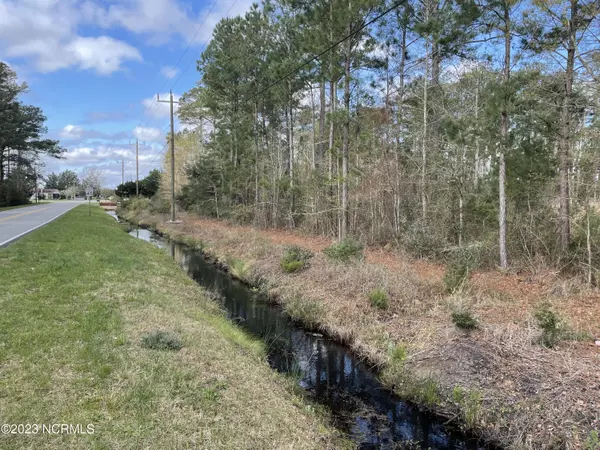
(15, 223)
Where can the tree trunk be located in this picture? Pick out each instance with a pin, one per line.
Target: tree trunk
(504, 144)
(346, 141)
(565, 135)
(322, 109)
(424, 141)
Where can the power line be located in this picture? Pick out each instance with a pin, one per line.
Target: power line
(317, 56)
(190, 63)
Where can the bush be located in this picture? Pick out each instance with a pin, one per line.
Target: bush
(161, 340)
(237, 268)
(462, 262)
(12, 195)
(159, 205)
(553, 327)
(295, 259)
(137, 204)
(345, 250)
(464, 320)
(379, 299)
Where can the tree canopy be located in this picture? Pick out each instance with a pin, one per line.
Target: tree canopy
(21, 140)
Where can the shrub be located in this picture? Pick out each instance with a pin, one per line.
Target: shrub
(238, 268)
(295, 259)
(464, 320)
(159, 205)
(553, 327)
(137, 204)
(345, 250)
(161, 340)
(379, 299)
(463, 261)
(398, 354)
(303, 310)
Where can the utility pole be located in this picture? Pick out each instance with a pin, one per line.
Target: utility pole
(122, 170)
(170, 101)
(137, 170)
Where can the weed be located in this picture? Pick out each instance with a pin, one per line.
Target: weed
(161, 340)
(398, 354)
(593, 441)
(472, 408)
(379, 299)
(470, 404)
(295, 259)
(462, 262)
(458, 395)
(306, 311)
(429, 394)
(464, 320)
(345, 250)
(552, 325)
(238, 268)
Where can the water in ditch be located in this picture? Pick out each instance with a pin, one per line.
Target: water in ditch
(370, 414)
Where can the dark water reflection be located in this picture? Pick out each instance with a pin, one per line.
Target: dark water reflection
(371, 415)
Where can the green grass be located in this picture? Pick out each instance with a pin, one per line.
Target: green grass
(6, 208)
(78, 296)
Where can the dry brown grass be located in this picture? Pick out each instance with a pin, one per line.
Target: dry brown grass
(531, 397)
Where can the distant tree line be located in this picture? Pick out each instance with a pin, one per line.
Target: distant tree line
(442, 125)
(21, 141)
(148, 186)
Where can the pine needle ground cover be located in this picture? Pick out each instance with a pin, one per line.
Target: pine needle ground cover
(98, 328)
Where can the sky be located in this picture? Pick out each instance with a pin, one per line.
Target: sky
(95, 67)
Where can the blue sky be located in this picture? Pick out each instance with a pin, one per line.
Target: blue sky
(95, 66)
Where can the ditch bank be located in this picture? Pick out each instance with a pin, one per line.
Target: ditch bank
(370, 415)
(497, 381)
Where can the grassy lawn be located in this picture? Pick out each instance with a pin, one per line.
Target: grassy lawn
(77, 297)
(6, 208)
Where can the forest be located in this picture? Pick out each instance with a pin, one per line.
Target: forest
(430, 125)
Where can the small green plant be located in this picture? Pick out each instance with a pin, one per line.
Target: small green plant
(378, 298)
(161, 340)
(398, 354)
(309, 312)
(345, 250)
(238, 268)
(458, 395)
(552, 325)
(470, 403)
(430, 392)
(462, 262)
(593, 441)
(464, 320)
(295, 259)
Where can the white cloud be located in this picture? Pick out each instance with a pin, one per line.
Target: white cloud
(78, 133)
(45, 33)
(71, 132)
(169, 72)
(103, 54)
(148, 134)
(159, 110)
(162, 19)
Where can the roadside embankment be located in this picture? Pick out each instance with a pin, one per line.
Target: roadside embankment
(100, 329)
(497, 379)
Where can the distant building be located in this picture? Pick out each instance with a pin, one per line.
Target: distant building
(48, 194)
